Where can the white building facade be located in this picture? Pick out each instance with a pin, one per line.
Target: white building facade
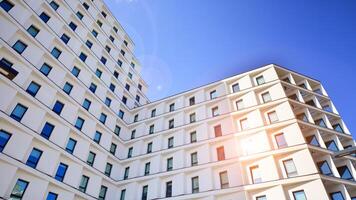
(75, 122)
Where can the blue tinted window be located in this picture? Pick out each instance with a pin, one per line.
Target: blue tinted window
(6, 5)
(19, 46)
(33, 88)
(98, 73)
(44, 17)
(57, 108)
(45, 69)
(117, 130)
(91, 158)
(107, 101)
(103, 60)
(121, 114)
(119, 62)
(61, 171)
(94, 33)
(102, 192)
(34, 158)
(345, 173)
(299, 195)
(324, 168)
(79, 123)
(79, 15)
(86, 104)
(71, 145)
(86, 6)
(112, 87)
(83, 183)
(67, 88)
(97, 137)
(18, 112)
(75, 71)
(47, 130)
(92, 87)
(83, 57)
(331, 145)
(336, 196)
(102, 118)
(19, 189)
(51, 195)
(56, 52)
(65, 38)
(89, 44)
(4, 138)
(54, 5)
(33, 31)
(72, 26)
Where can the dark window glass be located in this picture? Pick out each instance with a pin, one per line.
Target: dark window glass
(91, 158)
(6, 5)
(95, 34)
(124, 99)
(72, 26)
(117, 130)
(52, 196)
(169, 189)
(7, 70)
(121, 114)
(193, 137)
(86, 104)
(112, 87)
(126, 43)
(65, 38)
(4, 138)
(103, 60)
(170, 142)
(33, 31)
(102, 192)
(194, 159)
(18, 112)
(111, 38)
(97, 137)
(58, 107)
(45, 69)
(83, 183)
(71, 145)
(126, 174)
(19, 189)
(171, 107)
(113, 148)
(115, 29)
(79, 123)
(47, 130)
(195, 184)
(337, 196)
(149, 147)
(102, 118)
(123, 193)
(170, 164)
(83, 57)
(56, 52)
(144, 192)
(19, 46)
(108, 101)
(75, 71)
(116, 74)
(119, 62)
(127, 87)
(153, 113)
(67, 88)
(44, 17)
(171, 124)
(33, 88)
(79, 15)
(34, 157)
(61, 171)
(92, 87)
(122, 52)
(89, 44)
(147, 168)
(129, 153)
(345, 173)
(86, 6)
(54, 5)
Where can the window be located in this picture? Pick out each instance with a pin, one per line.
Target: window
(95, 34)
(171, 124)
(224, 180)
(103, 13)
(129, 153)
(92, 87)
(280, 140)
(89, 44)
(192, 101)
(290, 168)
(33, 31)
(137, 98)
(99, 23)
(217, 131)
(83, 183)
(4, 138)
(126, 174)
(147, 168)
(312, 140)
(44, 17)
(130, 75)
(235, 87)
(6, 69)
(79, 15)
(144, 192)
(61, 172)
(324, 168)
(103, 60)
(149, 147)
(58, 107)
(54, 5)
(79, 123)
(302, 117)
(213, 94)
(117, 130)
(56, 52)
(107, 48)
(65, 38)
(34, 157)
(310, 102)
(71, 145)
(266, 97)
(6, 5)
(127, 87)
(215, 111)
(18, 112)
(260, 80)
(124, 99)
(119, 62)
(67, 88)
(72, 26)
(126, 43)
(75, 71)
(192, 118)
(331, 145)
(320, 122)
(169, 189)
(152, 129)
(83, 57)
(195, 184)
(102, 193)
(116, 74)
(255, 174)
(113, 148)
(345, 173)
(272, 116)
(86, 6)
(244, 124)
(170, 164)
(102, 118)
(51, 195)
(220, 153)
(122, 195)
(170, 142)
(21, 185)
(239, 104)
(97, 137)
(337, 196)
(108, 169)
(139, 87)
(261, 197)
(299, 195)
(121, 114)
(108, 101)
(33, 88)
(45, 69)
(153, 113)
(122, 52)
(171, 107)
(112, 87)
(133, 133)
(115, 29)
(194, 159)
(302, 85)
(91, 158)
(338, 128)
(193, 137)
(47, 130)
(19, 46)
(86, 104)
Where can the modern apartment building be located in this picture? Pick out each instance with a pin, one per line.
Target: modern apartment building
(75, 122)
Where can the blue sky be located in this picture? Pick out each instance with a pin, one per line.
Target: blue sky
(183, 44)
